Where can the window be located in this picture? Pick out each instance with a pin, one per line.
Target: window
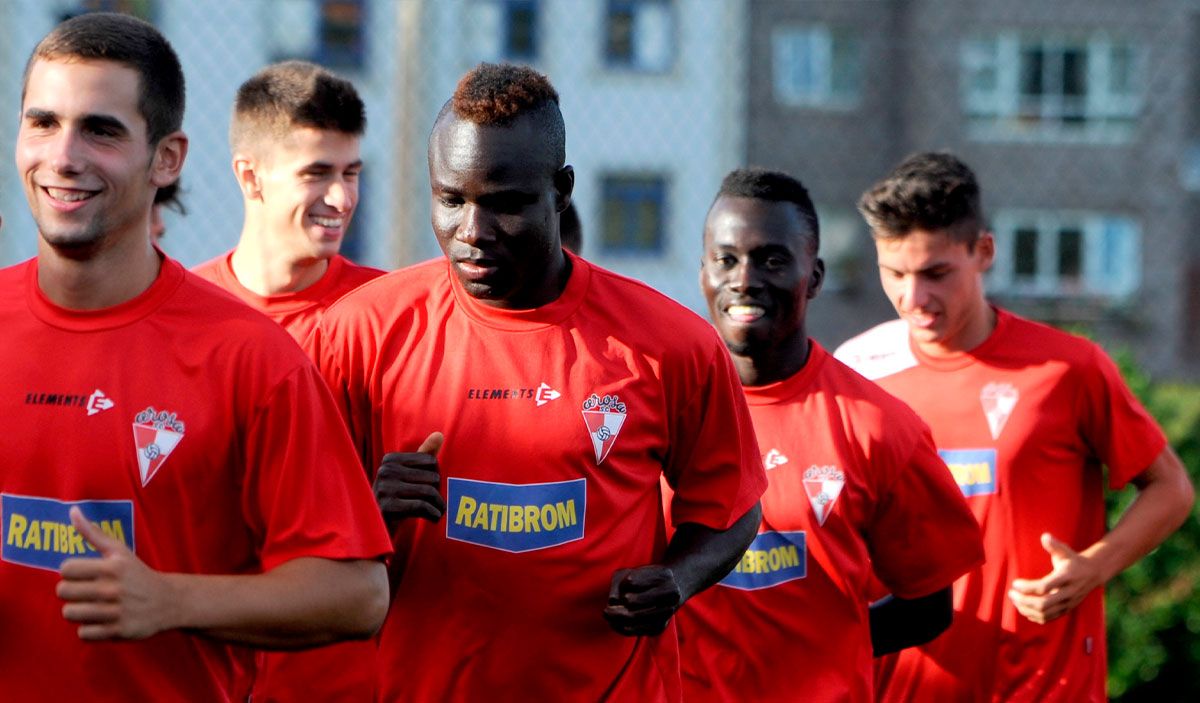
(1066, 254)
(816, 66)
(329, 32)
(638, 35)
(844, 244)
(1056, 88)
(504, 30)
(634, 213)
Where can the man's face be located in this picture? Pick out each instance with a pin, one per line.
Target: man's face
(758, 273)
(308, 185)
(496, 198)
(936, 285)
(82, 153)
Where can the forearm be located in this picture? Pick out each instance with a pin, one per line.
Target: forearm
(701, 556)
(1162, 504)
(302, 603)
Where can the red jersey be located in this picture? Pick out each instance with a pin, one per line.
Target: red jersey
(296, 312)
(1024, 421)
(559, 423)
(198, 449)
(339, 672)
(855, 483)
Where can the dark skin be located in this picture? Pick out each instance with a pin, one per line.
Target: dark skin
(497, 195)
(758, 273)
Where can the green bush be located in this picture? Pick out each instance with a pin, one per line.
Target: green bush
(1154, 606)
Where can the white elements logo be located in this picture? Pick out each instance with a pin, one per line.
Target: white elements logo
(545, 394)
(773, 459)
(998, 400)
(156, 433)
(97, 401)
(823, 484)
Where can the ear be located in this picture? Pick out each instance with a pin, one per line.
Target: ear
(817, 279)
(564, 186)
(169, 155)
(245, 169)
(985, 250)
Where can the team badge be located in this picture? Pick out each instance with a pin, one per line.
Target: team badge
(156, 433)
(823, 484)
(773, 459)
(998, 401)
(604, 418)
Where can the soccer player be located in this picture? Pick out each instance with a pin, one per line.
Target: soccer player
(855, 481)
(558, 394)
(1025, 416)
(174, 478)
(295, 137)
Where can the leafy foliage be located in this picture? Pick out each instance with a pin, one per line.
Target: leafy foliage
(1154, 606)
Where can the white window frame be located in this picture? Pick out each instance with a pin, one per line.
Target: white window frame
(1111, 266)
(992, 99)
(788, 47)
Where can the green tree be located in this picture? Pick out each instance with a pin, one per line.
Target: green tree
(1154, 606)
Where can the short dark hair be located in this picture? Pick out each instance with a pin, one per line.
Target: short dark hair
(293, 94)
(932, 191)
(497, 95)
(168, 196)
(774, 186)
(108, 36)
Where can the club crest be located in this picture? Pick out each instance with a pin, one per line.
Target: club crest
(156, 433)
(604, 418)
(998, 400)
(823, 484)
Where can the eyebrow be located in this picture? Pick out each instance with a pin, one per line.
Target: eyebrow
(107, 122)
(326, 166)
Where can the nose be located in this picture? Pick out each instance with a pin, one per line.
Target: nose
(915, 293)
(341, 196)
(743, 277)
(66, 153)
(473, 226)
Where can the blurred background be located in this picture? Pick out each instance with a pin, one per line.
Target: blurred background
(1080, 117)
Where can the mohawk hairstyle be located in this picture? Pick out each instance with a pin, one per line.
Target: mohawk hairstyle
(932, 191)
(773, 186)
(291, 94)
(496, 95)
(131, 42)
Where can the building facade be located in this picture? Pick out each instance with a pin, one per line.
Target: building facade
(1081, 119)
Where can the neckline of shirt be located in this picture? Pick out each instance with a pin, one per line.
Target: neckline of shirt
(533, 319)
(283, 302)
(791, 386)
(170, 276)
(964, 359)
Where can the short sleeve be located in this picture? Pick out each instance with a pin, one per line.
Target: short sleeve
(922, 536)
(345, 377)
(305, 492)
(1115, 424)
(714, 467)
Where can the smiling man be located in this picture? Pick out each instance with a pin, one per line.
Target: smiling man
(546, 398)
(1026, 417)
(295, 136)
(856, 486)
(166, 491)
